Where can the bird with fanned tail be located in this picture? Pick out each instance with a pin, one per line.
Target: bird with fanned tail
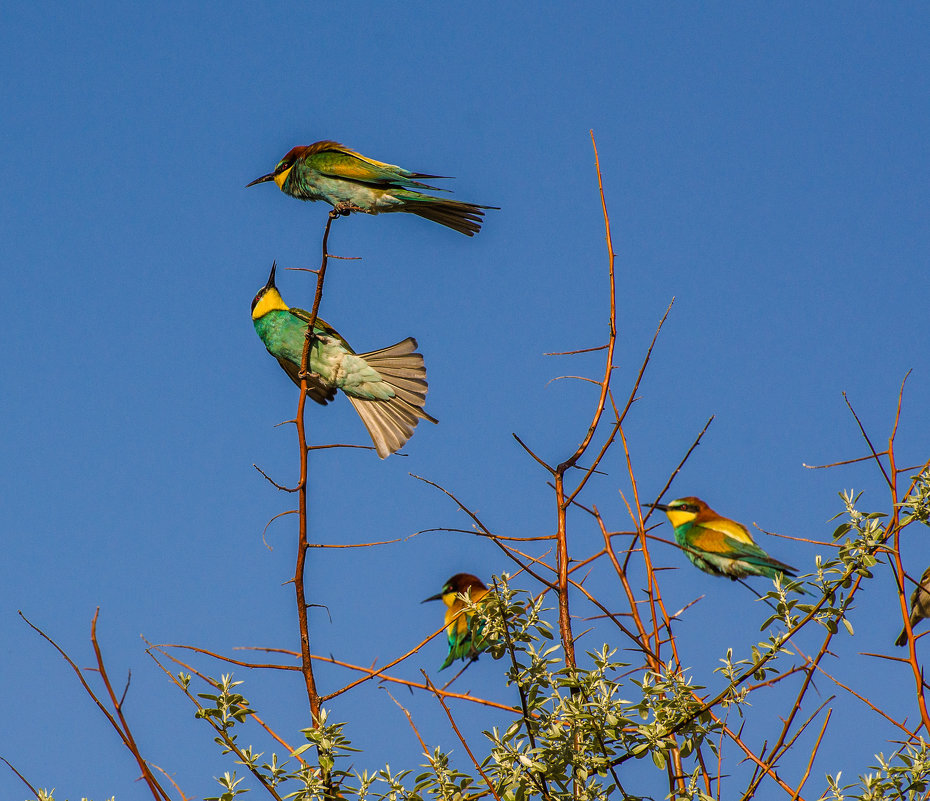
(349, 182)
(387, 387)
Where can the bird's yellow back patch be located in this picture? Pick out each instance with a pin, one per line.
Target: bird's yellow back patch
(712, 541)
(270, 301)
(281, 177)
(732, 529)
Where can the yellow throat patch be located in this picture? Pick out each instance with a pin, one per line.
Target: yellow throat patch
(270, 301)
(281, 177)
(678, 518)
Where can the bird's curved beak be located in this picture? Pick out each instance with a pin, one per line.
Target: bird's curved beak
(269, 177)
(436, 597)
(270, 284)
(660, 506)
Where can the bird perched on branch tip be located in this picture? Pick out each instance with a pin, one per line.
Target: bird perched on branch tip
(349, 182)
(716, 544)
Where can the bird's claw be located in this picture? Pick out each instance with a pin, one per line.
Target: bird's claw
(344, 208)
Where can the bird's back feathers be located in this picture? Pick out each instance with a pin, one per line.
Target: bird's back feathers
(337, 161)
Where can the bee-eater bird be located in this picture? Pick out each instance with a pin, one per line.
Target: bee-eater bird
(716, 544)
(920, 606)
(387, 387)
(463, 631)
(349, 182)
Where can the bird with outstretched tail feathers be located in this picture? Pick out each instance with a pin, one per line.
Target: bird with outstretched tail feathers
(387, 387)
(462, 629)
(718, 545)
(349, 182)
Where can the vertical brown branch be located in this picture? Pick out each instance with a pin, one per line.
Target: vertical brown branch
(894, 524)
(306, 663)
(562, 503)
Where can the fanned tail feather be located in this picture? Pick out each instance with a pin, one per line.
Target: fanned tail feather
(390, 423)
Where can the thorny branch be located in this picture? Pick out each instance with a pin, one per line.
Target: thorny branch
(306, 663)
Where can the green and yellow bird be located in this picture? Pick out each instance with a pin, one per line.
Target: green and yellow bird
(462, 630)
(920, 606)
(349, 182)
(387, 387)
(716, 544)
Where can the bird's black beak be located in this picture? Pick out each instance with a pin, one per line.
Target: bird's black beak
(436, 597)
(660, 506)
(264, 289)
(270, 284)
(269, 177)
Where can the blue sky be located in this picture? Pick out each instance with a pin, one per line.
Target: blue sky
(766, 166)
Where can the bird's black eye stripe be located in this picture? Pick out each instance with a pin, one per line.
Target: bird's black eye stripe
(282, 167)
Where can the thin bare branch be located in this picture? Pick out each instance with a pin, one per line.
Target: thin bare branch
(21, 777)
(810, 762)
(839, 464)
(121, 727)
(458, 734)
(409, 720)
(265, 529)
(529, 450)
(576, 352)
(271, 481)
(875, 455)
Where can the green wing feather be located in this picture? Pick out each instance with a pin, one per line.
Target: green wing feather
(335, 161)
(731, 540)
(465, 641)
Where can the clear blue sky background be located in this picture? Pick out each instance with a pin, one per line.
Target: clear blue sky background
(768, 167)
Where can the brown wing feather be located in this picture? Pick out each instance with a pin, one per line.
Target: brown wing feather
(315, 390)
